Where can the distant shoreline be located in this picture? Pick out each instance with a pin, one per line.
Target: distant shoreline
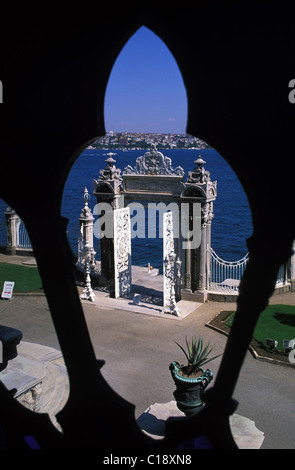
(144, 141)
(124, 149)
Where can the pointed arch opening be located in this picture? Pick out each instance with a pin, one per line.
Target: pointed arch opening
(145, 105)
(145, 91)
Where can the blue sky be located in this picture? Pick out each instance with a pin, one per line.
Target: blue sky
(145, 92)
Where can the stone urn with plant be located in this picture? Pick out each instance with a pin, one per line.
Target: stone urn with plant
(190, 379)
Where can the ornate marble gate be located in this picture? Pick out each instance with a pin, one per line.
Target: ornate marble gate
(154, 179)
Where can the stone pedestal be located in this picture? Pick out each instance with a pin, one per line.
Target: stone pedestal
(198, 296)
(153, 420)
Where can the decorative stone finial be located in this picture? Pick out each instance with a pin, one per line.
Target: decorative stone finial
(86, 211)
(199, 162)
(199, 174)
(110, 161)
(86, 196)
(110, 172)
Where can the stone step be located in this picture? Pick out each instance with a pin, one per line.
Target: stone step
(56, 390)
(40, 377)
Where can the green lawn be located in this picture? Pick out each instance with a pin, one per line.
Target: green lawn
(26, 278)
(275, 322)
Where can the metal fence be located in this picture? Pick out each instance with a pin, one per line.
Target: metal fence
(23, 236)
(224, 276)
(282, 276)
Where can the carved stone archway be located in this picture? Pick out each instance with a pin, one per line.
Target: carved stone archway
(154, 179)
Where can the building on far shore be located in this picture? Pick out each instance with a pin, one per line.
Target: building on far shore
(136, 140)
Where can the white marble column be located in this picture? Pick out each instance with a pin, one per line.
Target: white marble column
(12, 223)
(203, 257)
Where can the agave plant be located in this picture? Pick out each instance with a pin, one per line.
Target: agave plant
(196, 354)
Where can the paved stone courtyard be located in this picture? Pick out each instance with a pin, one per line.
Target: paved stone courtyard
(137, 344)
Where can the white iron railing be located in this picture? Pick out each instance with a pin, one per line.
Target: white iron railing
(23, 238)
(224, 276)
(282, 276)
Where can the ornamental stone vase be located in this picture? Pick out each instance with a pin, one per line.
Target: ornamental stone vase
(189, 390)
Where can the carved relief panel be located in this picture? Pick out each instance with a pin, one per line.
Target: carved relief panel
(169, 256)
(122, 251)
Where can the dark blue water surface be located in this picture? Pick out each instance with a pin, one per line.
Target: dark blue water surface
(231, 225)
